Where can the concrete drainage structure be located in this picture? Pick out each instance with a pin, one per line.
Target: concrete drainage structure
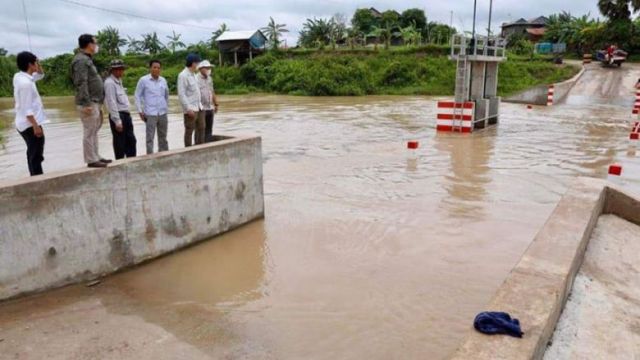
(537, 289)
(476, 104)
(77, 225)
(546, 94)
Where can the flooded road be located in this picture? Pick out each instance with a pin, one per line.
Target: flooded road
(363, 254)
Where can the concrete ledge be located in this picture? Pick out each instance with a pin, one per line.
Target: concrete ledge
(71, 226)
(537, 95)
(536, 290)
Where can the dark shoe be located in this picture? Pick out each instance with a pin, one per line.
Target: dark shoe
(106, 161)
(98, 164)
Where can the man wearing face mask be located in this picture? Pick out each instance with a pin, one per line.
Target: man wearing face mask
(189, 95)
(208, 98)
(89, 98)
(30, 115)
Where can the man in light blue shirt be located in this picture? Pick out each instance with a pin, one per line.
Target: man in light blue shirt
(152, 101)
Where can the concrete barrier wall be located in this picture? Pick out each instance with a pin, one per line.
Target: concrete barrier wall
(67, 227)
(537, 289)
(538, 95)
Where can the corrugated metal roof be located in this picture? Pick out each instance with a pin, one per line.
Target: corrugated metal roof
(236, 35)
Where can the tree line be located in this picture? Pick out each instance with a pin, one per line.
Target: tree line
(411, 27)
(585, 34)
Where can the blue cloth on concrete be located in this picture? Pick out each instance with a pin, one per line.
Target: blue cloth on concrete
(497, 323)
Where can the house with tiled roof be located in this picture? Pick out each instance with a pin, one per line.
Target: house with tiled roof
(533, 29)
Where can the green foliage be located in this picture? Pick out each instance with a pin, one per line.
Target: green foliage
(110, 41)
(390, 18)
(424, 70)
(174, 41)
(518, 44)
(8, 67)
(515, 76)
(364, 21)
(274, 31)
(317, 33)
(618, 9)
(414, 17)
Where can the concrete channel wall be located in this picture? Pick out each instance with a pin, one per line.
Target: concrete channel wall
(537, 289)
(73, 226)
(538, 95)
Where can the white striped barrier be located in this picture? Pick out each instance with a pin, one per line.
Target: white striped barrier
(550, 93)
(450, 118)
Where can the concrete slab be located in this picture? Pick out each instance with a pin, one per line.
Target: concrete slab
(601, 319)
(71, 226)
(537, 287)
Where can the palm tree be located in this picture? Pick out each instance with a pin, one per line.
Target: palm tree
(353, 35)
(151, 43)
(110, 41)
(316, 33)
(174, 41)
(384, 33)
(410, 34)
(618, 9)
(216, 34)
(274, 32)
(135, 45)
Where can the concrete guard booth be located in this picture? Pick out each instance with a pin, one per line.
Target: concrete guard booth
(476, 104)
(242, 44)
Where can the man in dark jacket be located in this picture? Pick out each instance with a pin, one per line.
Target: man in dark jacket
(89, 98)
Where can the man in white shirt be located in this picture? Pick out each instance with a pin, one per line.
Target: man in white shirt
(189, 95)
(209, 99)
(117, 103)
(29, 110)
(152, 101)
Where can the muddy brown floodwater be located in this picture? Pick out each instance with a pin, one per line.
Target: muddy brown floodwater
(363, 254)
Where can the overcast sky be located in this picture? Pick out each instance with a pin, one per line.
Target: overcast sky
(55, 24)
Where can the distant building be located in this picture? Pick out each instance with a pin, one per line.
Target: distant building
(533, 29)
(395, 39)
(242, 44)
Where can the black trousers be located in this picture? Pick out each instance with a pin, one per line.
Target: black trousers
(124, 143)
(35, 151)
(208, 129)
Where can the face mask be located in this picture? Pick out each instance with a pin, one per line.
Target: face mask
(37, 76)
(208, 72)
(96, 49)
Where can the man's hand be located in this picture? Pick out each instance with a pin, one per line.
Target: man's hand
(215, 108)
(142, 117)
(119, 127)
(37, 131)
(191, 114)
(87, 110)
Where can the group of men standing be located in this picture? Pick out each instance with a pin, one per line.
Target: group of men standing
(195, 91)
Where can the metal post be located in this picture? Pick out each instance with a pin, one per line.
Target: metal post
(473, 30)
(490, 12)
(475, 8)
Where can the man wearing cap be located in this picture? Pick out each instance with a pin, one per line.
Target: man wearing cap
(89, 98)
(208, 98)
(190, 99)
(117, 103)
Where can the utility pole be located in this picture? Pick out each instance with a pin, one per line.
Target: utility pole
(490, 12)
(475, 8)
